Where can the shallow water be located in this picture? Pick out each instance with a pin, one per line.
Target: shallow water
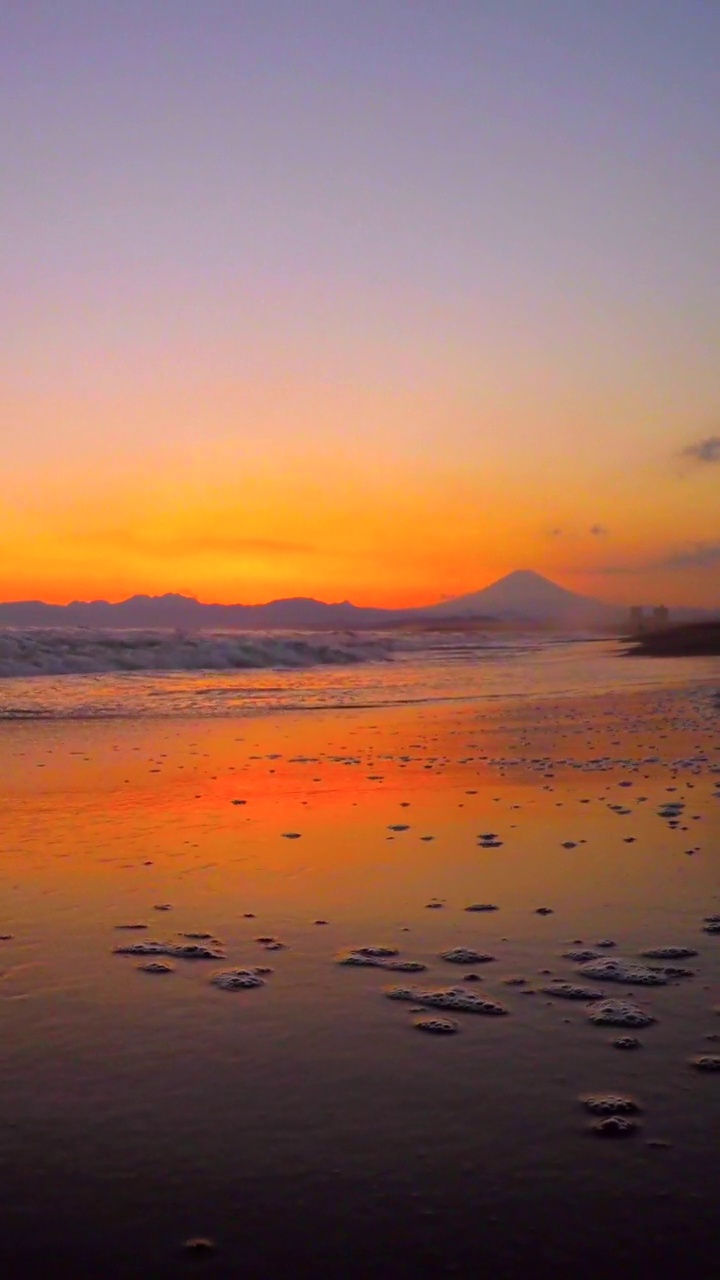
(306, 1126)
(363, 671)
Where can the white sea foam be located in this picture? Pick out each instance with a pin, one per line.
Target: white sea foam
(76, 651)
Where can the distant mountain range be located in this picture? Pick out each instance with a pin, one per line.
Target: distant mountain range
(522, 597)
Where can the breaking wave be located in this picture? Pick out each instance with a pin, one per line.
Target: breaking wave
(58, 652)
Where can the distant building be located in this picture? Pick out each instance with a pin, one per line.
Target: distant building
(657, 620)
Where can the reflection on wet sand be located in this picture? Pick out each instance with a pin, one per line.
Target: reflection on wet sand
(556, 861)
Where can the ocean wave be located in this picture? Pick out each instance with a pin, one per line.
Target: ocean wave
(58, 652)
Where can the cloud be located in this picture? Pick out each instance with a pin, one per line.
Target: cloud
(705, 451)
(179, 545)
(598, 531)
(695, 555)
(699, 555)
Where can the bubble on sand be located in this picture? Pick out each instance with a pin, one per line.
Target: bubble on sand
(625, 971)
(131, 927)
(449, 998)
(237, 979)
(673, 970)
(291, 835)
(199, 1245)
(543, 911)
(610, 1105)
(377, 952)
(627, 1042)
(620, 1013)
(706, 1062)
(271, 944)
(162, 906)
(465, 955)
(482, 906)
(571, 991)
(437, 1026)
(615, 1127)
(669, 953)
(606, 943)
(180, 951)
(359, 959)
(155, 966)
(581, 957)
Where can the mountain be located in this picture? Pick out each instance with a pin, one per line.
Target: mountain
(187, 613)
(520, 597)
(526, 596)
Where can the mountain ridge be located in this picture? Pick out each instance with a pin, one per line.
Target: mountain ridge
(517, 597)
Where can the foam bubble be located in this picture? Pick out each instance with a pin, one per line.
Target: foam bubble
(180, 951)
(571, 991)
(620, 1013)
(706, 1062)
(465, 955)
(237, 979)
(615, 1127)
(610, 1105)
(450, 998)
(437, 1026)
(669, 953)
(626, 971)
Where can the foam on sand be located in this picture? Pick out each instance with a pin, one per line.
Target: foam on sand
(449, 998)
(437, 1026)
(610, 1105)
(615, 1127)
(465, 955)
(628, 972)
(706, 1062)
(571, 991)
(178, 950)
(367, 958)
(620, 1013)
(238, 979)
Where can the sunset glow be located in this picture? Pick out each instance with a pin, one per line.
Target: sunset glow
(373, 301)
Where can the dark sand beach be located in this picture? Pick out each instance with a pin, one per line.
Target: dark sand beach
(304, 1123)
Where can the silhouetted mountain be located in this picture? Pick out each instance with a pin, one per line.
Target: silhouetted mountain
(176, 611)
(526, 596)
(520, 597)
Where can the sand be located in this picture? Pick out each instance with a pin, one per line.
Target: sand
(300, 1122)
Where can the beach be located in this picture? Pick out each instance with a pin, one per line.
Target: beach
(304, 1117)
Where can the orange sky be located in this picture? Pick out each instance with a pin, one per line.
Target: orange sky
(356, 304)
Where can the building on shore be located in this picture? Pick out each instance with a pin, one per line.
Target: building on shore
(657, 620)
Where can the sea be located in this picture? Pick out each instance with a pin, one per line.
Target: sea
(357, 957)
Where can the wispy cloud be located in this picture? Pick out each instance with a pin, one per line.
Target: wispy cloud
(186, 545)
(694, 555)
(700, 555)
(706, 452)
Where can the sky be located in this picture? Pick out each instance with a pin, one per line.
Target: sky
(373, 300)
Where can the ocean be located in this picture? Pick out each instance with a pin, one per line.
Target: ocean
(339, 968)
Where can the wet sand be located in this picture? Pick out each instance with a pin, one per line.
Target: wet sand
(302, 1121)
